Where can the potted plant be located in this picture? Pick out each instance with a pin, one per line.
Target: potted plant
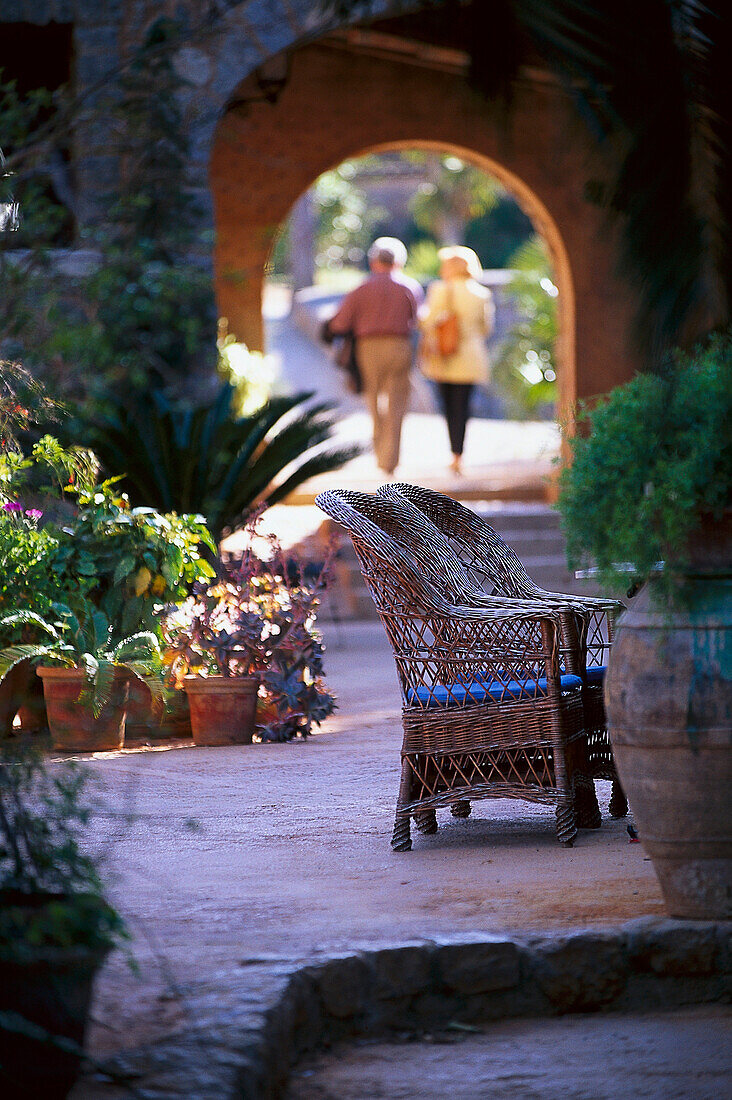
(210, 644)
(30, 488)
(55, 926)
(648, 496)
(85, 674)
(252, 634)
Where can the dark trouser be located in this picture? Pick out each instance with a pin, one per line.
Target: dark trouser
(455, 403)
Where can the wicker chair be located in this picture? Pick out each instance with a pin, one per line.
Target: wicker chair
(485, 710)
(493, 567)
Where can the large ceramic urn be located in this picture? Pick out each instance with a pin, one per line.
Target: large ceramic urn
(669, 707)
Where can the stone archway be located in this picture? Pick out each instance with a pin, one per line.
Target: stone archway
(339, 103)
(543, 224)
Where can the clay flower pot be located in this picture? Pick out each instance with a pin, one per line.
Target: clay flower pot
(14, 690)
(144, 723)
(223, 709)
(669, 705)
(72, 723)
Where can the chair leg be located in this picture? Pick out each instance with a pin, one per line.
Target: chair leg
(401, 840)
(460, 809)
(426, 821)
(618, 802)
(566, 823)
(588, 811)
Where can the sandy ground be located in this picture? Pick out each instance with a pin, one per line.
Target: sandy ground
(681, 1055)
(219, 856)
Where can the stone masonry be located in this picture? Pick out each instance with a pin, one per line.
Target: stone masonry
(253, 152)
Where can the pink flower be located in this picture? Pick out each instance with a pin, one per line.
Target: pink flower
(12, 506)
(34, 513)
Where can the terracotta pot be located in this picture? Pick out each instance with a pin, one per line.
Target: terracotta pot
(142, 721)
(223, 709)
(32, 714)
(13, 692)
(72, 724)
(50, 987)
(669, 706)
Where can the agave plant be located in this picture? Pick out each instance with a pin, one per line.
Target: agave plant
(84, 638)
(204, 459)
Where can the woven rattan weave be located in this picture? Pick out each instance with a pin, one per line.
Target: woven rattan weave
(491, 566)
(486, 712)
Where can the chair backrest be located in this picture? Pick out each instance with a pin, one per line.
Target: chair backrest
(492, 566)
(397, 583)
(489, 562)
(408, 604)
(407, 525)
(433, 640)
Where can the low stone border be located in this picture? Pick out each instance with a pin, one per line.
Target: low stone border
(246, 1047)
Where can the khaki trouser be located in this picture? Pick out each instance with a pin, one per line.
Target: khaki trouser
(385, 362)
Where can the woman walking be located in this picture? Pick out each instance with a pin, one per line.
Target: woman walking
(455, 321)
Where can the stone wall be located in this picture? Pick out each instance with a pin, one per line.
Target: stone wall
(249, 164)
(338, 104)
(245, 1043)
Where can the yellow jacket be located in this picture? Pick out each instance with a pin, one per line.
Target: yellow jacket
(473, 306)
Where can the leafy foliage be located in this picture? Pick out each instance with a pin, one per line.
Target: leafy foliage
(129, 561)
(144, 315)
(47, 472)
(525, 369)
(251, 373)
(33, 490)
(151, 321)
(454, 194)
(25, 550)
(202, 458)
(23, 402)
(657, 457)
(259, 620)
(83, 637)
(43, 818)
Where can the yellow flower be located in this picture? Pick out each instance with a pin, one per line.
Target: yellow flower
(142, 580)
(158, 585)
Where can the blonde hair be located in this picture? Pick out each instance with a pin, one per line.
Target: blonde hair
(469, 259)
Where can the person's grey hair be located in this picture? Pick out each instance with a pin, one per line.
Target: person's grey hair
(388, 250)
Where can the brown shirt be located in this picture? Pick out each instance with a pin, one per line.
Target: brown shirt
(385, 305)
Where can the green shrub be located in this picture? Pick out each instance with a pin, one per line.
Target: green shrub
(656, 457)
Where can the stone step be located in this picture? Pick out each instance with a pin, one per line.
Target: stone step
(515, 517)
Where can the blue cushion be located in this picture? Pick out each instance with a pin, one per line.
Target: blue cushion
(478, 690)
(596, 675)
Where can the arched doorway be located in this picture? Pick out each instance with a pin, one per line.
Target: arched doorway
(427, 195)
(337, 104)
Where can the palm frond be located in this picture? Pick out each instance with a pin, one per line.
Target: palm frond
(15, 655)
(30, 618)
(100, 678)
(322, 463)
(203, 459)
(148, 673)
(142, 642)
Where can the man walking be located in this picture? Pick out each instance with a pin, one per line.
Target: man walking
(382, 314)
